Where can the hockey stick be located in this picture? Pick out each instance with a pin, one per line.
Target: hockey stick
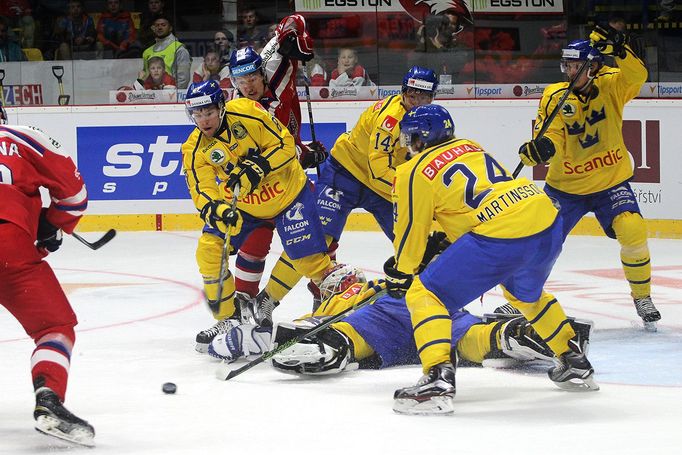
(2, 89)
(556, 110)
(306, 82)
(58, 71)
(225, 373)
(97, 244)
(226, 250)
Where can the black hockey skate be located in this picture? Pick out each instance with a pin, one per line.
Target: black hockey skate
(572, 371)
(53, 419)
(648, 312)
(507, 310)
(264, 307)
(433, 394)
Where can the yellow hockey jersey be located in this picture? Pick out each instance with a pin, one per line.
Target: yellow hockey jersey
(465, 190)
(354, 294)
(590, 152)
(250, 128)
(371, 150)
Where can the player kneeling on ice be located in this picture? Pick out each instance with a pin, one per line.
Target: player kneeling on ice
(380, 335)
(504, 231)
(240, 144)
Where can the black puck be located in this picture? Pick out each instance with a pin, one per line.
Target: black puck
(169, 388)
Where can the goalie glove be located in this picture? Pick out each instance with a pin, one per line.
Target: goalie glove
(242, 341)
(536, 151)
(312, 154)
(397, 282)
(249, 173)
(609, 41)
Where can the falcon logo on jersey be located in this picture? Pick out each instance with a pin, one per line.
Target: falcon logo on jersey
(389, 123)
(442, 159)
(239, 130)
(295, 212)
(217, 156)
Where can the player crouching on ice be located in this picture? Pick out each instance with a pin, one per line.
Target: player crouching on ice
(506, 230)
(240, 144)
(380, 335)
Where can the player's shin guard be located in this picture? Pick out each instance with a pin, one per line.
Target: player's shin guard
(631, 233)
(51, 359)
(548, 319)
(282, 278)
(431, 324)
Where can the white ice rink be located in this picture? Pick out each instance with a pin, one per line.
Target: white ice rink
(139, 304)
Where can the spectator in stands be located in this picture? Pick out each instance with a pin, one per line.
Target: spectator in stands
(250, 33)
(10, 50)
(635, 41)
(173, 52)
(158, 78)
(348, 72)
(116, 32)
(665, 10)
(154, 9)
(213, 69)
(18, 12)
(223, 40)
(74, 32)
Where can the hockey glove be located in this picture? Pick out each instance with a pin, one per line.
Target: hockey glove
(435, 245)
(397, 282)
(219, 216)
(312, 154)
(537, 151)
(249, 173)
(49, 236)
(609, 41)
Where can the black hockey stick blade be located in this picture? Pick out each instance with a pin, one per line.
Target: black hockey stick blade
(97, 244)
(225, 373)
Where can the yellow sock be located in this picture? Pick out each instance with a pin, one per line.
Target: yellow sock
(431, 324)
(631, 233)
(361, 349)
(283, 278)
(476, 342)
(547, 318)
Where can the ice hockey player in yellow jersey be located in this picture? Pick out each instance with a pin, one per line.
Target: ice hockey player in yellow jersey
(504, 231)
(589, 166)
(359, 172)
(240, 144)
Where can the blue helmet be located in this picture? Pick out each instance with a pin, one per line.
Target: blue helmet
(245, 61)
(420, 78)
(430, 123)
(203, 94)
(580, 50)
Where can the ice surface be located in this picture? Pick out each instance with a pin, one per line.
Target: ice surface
(139, 304)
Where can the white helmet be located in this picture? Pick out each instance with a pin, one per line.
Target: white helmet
(340, 278)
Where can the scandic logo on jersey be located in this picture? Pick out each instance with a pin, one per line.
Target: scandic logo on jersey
(642, 140)
(389, 123)
(443, 158)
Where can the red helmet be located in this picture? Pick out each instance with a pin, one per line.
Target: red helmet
(293, 38)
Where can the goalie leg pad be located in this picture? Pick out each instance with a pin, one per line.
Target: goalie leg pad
(241, 341)
(519, 341)
(328, 352)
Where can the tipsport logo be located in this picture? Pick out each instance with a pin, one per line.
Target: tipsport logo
(133, 162)
(642, 140)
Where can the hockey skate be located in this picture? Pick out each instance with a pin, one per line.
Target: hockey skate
(433, 394)
(648, 312)
(507, 310)
(53, 419)
(572, 371)
(263, 308)
(242, 341)
(243, 315)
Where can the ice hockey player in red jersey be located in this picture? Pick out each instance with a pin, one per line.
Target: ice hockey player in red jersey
(29, 160)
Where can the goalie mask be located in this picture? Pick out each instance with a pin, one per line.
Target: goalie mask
(425, 126)
(339, 279)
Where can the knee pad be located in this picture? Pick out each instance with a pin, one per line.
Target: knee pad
(631, 230)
